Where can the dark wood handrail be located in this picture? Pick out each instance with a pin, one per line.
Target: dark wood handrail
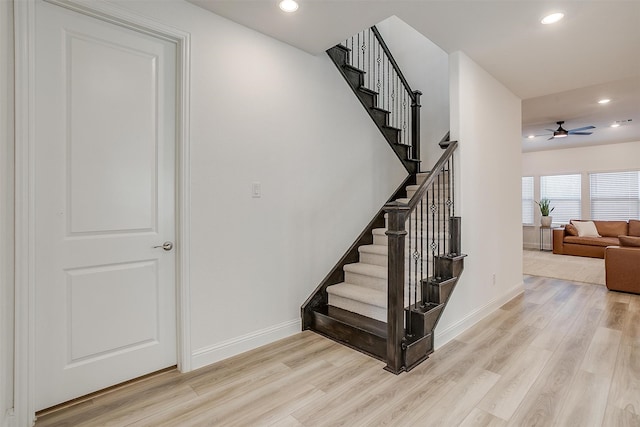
(393, 62)
(435, 171)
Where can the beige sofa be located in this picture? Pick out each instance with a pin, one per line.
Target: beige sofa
(567, 242)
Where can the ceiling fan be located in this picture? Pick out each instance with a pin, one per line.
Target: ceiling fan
(563, 133)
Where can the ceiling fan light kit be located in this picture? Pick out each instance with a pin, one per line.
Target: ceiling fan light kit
(563, 133)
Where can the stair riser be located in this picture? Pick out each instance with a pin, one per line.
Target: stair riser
(355, 78)
(438, 224)
(393, 136)
(368, 281)
(379, 116)
(380, 240)
(375, 312)
(423, 175)
(443, 193)
(374, 259)
(384, 240)
(383, 260)
(339, 55)
(400, 149)
(368, 99)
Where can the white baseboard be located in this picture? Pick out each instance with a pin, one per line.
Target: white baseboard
(214, 353)
(446, 335)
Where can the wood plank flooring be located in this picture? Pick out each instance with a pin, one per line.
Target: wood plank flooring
(561, 354)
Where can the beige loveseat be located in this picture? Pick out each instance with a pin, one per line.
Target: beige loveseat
(566, 241)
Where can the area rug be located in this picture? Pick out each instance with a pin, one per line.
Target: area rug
(565, 267)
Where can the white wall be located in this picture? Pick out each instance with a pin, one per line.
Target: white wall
(583, 160)
(426, 68)
(263, 111)
(488, 194)
(6, 210)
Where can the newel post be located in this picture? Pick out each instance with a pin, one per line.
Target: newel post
(415, 124)
(396, 232)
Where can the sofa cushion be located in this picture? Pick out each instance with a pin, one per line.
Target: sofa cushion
(612, 228)
(571, 230)
(629, 241)
(634, 227)
(592, 241)
(586, 228)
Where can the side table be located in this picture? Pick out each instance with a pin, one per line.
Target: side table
(549, 231)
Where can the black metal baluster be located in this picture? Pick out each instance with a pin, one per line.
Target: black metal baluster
(378, 62)
(433, 227)
(422, 275)
(453, 187)
(394, 98)
(371, 59)
(410, 256)
(358, 52)
(441, 212)
(387, 87)
(416, 258)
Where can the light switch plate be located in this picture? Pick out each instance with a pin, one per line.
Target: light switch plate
(256, 190)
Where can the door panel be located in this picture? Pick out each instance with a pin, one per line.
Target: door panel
(112, 171)
(106, 298)
(104, 197)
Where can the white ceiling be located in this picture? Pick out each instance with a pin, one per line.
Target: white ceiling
(560, 70)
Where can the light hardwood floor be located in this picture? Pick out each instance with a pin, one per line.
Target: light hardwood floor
(562, 354)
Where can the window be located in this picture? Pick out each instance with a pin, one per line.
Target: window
(564, 193)
(615, 195)
(527, 200)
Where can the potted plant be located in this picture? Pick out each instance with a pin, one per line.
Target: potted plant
(545, 211)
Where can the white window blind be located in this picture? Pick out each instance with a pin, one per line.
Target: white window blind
(615, 195)
(528, 204)
(564, 193)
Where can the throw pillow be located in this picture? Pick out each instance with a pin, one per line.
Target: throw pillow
(571, 230)
(586, 228)
(629, 241)
(634, 227)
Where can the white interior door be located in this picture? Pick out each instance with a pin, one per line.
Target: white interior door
(105, 307)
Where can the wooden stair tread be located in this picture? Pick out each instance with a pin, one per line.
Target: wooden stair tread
(339, 46)
(367, 90)
(383, 111)
(352, 68)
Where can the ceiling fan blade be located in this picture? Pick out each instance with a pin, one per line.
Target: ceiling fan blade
(582, 128)
(551, 130)
(550, 138)
(579, 133)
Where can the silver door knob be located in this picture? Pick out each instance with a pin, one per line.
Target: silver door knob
(167, 246)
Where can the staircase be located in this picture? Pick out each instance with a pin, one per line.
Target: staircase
(387, 293)
(375, 78)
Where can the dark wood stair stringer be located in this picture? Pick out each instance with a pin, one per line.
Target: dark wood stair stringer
(368, 98)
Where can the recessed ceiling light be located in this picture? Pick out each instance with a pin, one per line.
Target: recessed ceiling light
(531, 136)
(553, 18)
(288, 5)
(604, 101)
(615, 125)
